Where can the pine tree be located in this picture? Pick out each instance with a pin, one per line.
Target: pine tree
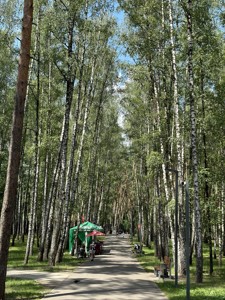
(10, 194)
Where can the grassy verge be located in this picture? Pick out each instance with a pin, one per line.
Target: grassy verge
(24, 289)
(30, 289)
(212, 288)
(16, 261)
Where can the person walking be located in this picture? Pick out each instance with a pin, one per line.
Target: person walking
(92, 251)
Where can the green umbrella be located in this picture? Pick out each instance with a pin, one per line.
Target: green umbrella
(88, 226)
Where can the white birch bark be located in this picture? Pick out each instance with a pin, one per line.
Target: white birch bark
(181, 252)
(60, 200)
(33, 206)
(197, 209)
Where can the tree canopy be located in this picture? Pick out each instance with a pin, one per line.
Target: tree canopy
(111, 106)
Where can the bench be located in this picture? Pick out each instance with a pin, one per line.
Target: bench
(164, 269)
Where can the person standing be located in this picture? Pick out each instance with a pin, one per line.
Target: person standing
(92, 251)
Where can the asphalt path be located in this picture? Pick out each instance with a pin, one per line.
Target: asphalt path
(114, 275)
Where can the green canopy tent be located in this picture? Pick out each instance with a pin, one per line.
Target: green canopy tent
(83, 230)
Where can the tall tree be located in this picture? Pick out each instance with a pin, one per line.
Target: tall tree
(197, 211)
(10, 194)
(33, 205)
(177, 122)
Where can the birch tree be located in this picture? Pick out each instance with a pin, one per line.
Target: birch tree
(197, 210)
(179, 150)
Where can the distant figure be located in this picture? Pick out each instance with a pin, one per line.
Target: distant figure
(92, 251)
(82, 253)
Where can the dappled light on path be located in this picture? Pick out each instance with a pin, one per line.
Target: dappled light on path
(113, 275)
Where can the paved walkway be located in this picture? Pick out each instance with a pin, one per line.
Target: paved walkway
(115, 275)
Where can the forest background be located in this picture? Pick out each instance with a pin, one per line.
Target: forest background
(110, 108)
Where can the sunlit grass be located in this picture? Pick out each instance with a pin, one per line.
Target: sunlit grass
(208, 290)
(23, 289)
(212, 288)
(31, 289)
(17, 254)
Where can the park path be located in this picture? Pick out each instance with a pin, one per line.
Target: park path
(114, 275)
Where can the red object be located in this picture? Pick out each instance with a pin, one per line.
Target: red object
(95, 232)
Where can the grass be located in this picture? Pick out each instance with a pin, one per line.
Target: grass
(16, 260)
(212, 288)
(31, 289)
(23, 289)
(205, 291)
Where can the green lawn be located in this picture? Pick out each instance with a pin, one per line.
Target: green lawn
(30, 289)
(16, 259)
(212, 288)
(23, 289)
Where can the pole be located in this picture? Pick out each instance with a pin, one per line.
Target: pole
(187, 243)
(86, 243)
(176, 232)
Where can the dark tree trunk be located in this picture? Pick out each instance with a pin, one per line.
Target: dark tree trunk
(10, 194)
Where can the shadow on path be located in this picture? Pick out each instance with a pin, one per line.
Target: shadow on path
(114, 275)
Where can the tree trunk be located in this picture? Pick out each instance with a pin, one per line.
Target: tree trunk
(47, 198)
(223, 218)
(33, 206)
(181, 258)
(10, 194)
(60, 199)
(207, 189)
(101, 198)
(70, 168)
(198, 232)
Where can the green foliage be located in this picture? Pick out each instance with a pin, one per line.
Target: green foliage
(7, 82)
(154, 160)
